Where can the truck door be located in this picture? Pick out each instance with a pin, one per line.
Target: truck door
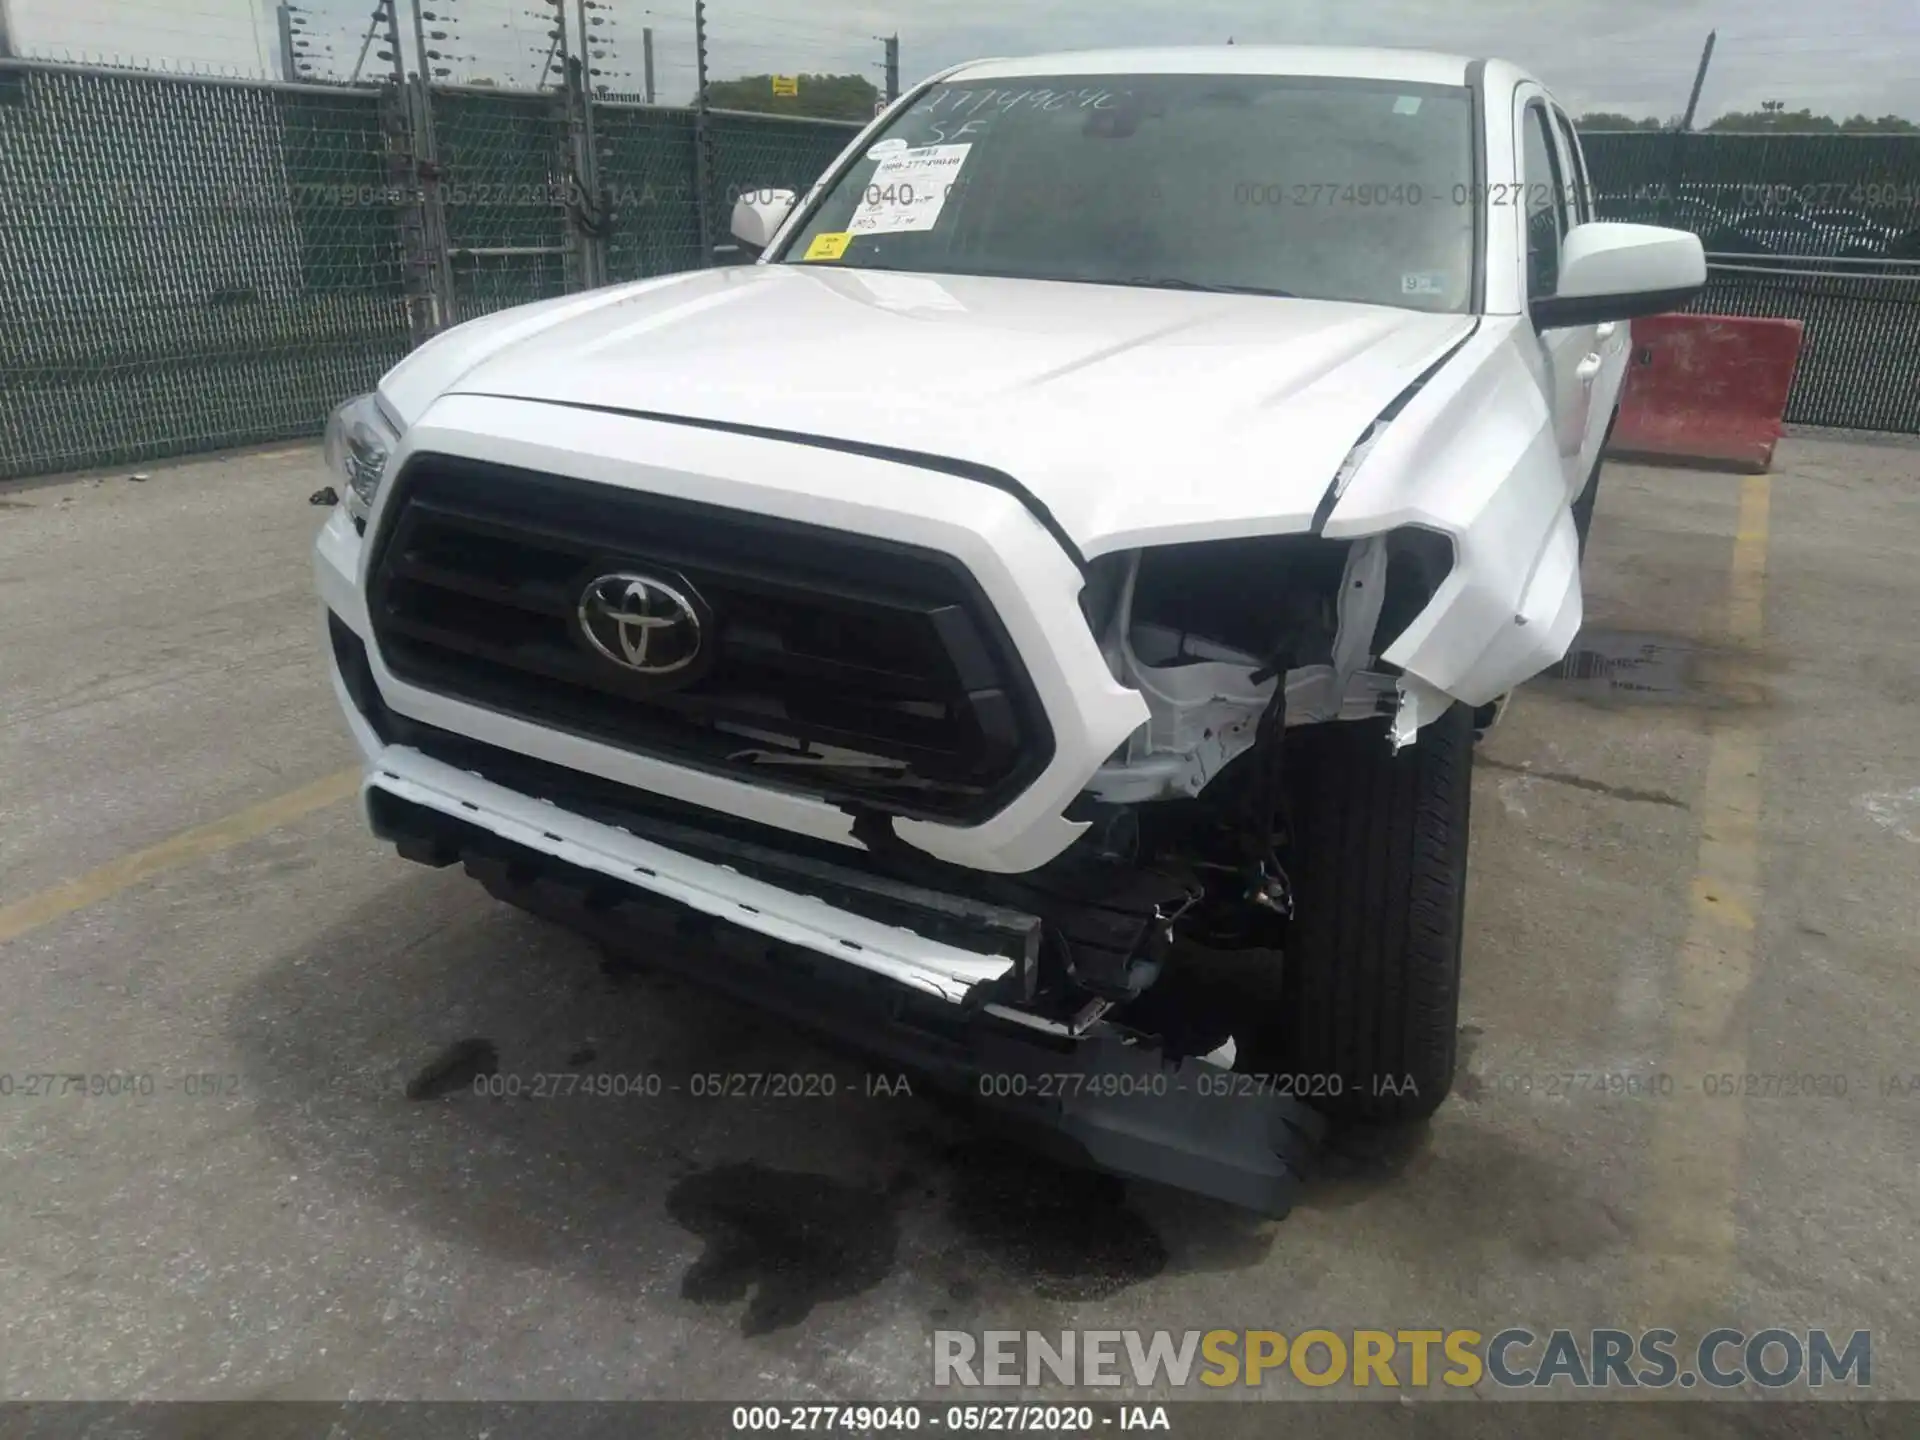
(1613, 339)
(1570, 355)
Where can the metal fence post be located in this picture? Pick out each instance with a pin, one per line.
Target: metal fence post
(289, 59)
(433, 214)
(702, 135)
(426, 170)
(416, 251)
(583, 200)
(400, 121)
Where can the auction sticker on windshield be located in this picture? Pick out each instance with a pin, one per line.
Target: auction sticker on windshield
(829, 245)
(908, 190)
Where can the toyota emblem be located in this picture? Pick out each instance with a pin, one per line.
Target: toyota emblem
(640, 623)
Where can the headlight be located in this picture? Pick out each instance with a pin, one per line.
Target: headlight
(360, 442)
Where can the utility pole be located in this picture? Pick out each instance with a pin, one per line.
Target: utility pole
(1699, 79)
(646, 62)
(1677, 161)
(701, 167)
(893, 67)
(6, 33)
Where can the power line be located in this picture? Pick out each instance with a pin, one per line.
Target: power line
(786, 27)
(784, 47)
(771, 19)
(786, 55)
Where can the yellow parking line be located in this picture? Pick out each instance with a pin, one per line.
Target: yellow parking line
(189, 845)
(1688, 1237)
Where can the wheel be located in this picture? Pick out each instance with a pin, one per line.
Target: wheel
(1583, 505)
(1370, 977)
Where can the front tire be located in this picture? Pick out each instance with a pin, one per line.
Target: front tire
(1370, 978)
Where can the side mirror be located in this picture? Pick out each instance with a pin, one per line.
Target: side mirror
(757, 215)
(1610, 270)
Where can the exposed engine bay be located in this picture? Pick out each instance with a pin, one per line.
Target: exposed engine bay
(1233, 645)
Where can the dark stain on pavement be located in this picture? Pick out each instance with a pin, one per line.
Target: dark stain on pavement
(461, 1063)
(1627, 665)
(1066, 1231)
(794, 1240)
(1610, 668)
(1581, 782)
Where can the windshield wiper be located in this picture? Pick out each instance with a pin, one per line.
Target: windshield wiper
(1175, 282)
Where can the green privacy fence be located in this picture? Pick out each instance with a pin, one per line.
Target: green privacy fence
(1713, 178)
(502, 190)
(185, 265)
(1822, 228)
(190, 263)
(756, 152)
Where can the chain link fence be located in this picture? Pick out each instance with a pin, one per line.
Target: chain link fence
(1823, 228)
(189, 263)
(503, 186)
(765, 152)
(648, 177)
(186, 264)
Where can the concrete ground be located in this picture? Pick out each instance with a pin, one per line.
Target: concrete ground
(1700, 859)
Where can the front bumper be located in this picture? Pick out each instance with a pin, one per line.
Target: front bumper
(946, 971)
(1092, 1093)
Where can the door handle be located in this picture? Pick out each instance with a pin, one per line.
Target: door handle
(1604, 330)
(1587, 369)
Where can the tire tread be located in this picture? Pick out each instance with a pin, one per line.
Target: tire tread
(1370, 979)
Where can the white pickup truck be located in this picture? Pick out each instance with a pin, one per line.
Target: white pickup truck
(1050, 595)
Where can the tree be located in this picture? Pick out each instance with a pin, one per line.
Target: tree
(828, 97)
(1774, 115)
(1612, 120)
(1885, 125)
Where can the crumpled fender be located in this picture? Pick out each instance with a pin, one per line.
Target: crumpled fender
(1473, 455)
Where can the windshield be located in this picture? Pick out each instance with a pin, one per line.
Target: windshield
(1333, 189)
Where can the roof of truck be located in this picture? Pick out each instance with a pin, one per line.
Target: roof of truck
(1418, 67)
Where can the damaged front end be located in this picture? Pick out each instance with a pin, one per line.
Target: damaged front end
(1231, 644)
(1080, 994)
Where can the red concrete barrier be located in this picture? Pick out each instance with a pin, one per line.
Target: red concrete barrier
(1706, 390)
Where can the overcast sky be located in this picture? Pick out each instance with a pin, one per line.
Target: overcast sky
(1636, 56)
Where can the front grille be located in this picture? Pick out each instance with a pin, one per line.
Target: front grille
(813, 641)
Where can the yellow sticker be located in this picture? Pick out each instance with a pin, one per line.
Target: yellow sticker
(828, 245)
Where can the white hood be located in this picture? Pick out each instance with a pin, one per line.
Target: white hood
(1134, 415)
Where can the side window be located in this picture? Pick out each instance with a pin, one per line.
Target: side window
(1582, 193)
(1544, 196)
